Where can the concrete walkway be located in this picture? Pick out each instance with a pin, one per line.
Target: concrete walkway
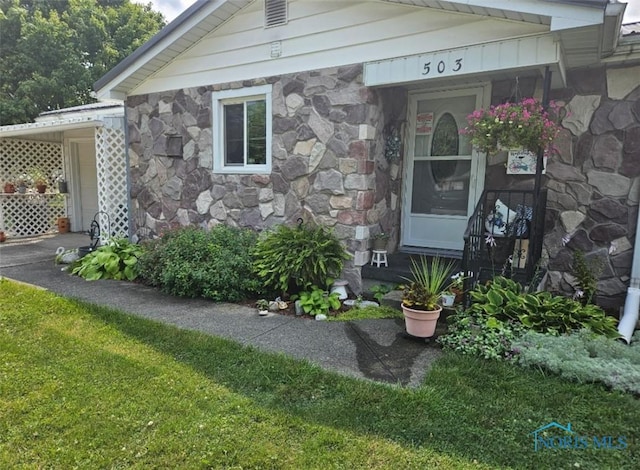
(369, 349)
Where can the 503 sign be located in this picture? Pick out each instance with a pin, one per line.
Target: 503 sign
(441, 67)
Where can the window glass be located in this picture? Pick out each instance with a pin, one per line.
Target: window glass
(234, 134)
(256, 132)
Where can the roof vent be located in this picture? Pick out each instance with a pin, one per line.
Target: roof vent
(275, 13)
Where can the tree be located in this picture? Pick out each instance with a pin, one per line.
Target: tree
(52, 51)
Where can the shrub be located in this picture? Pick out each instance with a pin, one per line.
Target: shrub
(480, 335)
(503, 300)
(316, 301)
(193, 262)
(584, 357)
(298, 257)
(118, 259)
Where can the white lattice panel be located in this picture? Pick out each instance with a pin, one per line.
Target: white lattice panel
(20, 157)
(23, 215)
(112, 181)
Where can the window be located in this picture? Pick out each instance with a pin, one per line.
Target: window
(242, 130)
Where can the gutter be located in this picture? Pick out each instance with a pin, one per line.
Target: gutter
(629, 318)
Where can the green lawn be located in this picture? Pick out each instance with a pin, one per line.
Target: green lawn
(89, 387)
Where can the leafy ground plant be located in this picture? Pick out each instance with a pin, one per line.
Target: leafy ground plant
(317, 301)
(584, 357)
(367, 313)
(91, 387)
(118, 259)
(298, 257)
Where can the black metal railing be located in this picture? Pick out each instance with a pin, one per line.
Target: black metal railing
(504, 236)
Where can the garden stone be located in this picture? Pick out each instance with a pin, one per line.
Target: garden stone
(321, 317)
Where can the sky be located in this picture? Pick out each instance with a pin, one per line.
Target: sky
(172, 8)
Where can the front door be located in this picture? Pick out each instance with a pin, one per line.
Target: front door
(444, 176)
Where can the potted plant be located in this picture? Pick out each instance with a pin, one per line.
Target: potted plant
(9, 187)
(22, 183)
(421, 297)
(263, 307)
(524, 125)
(380, 241)
(39, 179)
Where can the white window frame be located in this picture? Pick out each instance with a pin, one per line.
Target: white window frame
(220, 99)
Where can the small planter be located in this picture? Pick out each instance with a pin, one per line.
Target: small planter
(448, 300)
(3, 237)
(41, 188)
(22, 189)
(9, 188)
(340, 286)
(421, 323)
(379, 244)
(62, 187)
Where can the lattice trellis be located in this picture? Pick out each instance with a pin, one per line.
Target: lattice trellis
(23, 215)
(20, 157)
(30, 213)
(112, 181)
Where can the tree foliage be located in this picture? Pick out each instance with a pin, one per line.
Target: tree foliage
(52, 51)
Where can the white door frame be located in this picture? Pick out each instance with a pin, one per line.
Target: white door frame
(74, 183)
(478, 160)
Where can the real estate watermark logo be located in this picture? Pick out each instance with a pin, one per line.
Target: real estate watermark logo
(556, 436)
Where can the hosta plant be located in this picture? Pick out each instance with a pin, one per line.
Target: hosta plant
(118, 259)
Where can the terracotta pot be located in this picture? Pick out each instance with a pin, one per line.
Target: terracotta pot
(41, 188)
(421, 323)
(9, 188)
(3, 237)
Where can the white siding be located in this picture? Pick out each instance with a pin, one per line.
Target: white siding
(323, 34)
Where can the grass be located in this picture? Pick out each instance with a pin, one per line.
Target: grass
(83, 386)
(367, 313)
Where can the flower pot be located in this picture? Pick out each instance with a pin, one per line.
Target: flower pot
(63, 224)
(41, 188)
(379, 244)
(62, 187)
(421, 323)
(9, 188)
(22, 189)
(448, 300)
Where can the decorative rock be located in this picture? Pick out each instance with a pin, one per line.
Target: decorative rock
(571, 220)
(321, 127)
(609, 184)
(621, 82)
(294, 167)
(579, 113)
(304, 147)
(330, 180)
(605, 210)
(607, 233)
(607, 152)
(203, 202)
(321, 317)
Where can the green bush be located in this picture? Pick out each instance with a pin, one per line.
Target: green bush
(192, 262)
(118, 259)
(584, 357)
(316, 301)
(503, 300)
(477, 334)
(298, 257)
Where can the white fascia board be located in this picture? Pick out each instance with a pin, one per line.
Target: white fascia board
(563, 16)
(107, 91)
(507, 54)
(47, 126)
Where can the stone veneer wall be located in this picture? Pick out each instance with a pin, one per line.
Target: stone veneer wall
(594, 182)
(328, 163)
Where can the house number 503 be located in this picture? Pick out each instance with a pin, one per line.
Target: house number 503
(440, 67)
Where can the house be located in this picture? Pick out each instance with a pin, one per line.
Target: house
(83, 146)
(255, 113)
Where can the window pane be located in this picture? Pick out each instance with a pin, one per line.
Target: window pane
(441, 187)
(234, 134)
(257, 132)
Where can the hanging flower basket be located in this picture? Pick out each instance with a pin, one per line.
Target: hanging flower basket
(523, 125)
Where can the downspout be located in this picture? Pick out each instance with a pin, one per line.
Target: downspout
(632, 303)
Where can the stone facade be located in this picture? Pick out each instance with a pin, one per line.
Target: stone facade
(593, 182)
(328, 161)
